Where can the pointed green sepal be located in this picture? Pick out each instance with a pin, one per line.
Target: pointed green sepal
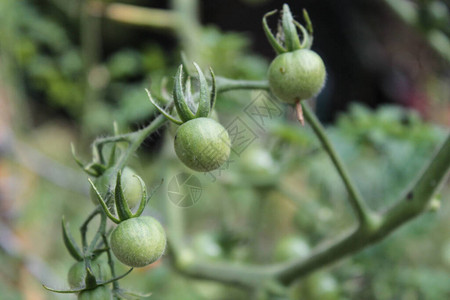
(70, 243)
(307, 38)
(204, 103)
(144, 200)
(188, 94)
(291, 39)
(130, 295)
(90, 281)
(123, 211)
(95, 167)
(309, 25)
(162, 111)
(279, 49)
(115, 278)
(86, 168)
(75, 157)
(74, 291)
(213, 90)
(178, 96)
(112, 156)
(103, 204)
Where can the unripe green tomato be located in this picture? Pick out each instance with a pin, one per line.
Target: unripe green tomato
(317, 286)
(174, 127)
(207, 247)
(292, 247)
(202, 144)
(77, 273)
(131, 186)
(138, 242)
(258, 166)
(297, 75)
(99, 293)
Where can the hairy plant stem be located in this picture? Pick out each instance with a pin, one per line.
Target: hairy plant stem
(83, 227)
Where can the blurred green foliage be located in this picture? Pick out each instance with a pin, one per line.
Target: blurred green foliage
(281, 188)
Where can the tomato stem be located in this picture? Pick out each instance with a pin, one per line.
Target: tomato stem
(299, 113)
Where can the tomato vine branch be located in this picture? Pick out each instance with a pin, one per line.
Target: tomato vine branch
(226, 84)
(404, 210)
(356, 199)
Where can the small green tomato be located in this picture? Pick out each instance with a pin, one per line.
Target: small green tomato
(131, 186)
(291, 247)
(298, 75)
(258, 166)
(77, 273)
(138, 242)
(174, 127)
(202, 144)
(99, 293)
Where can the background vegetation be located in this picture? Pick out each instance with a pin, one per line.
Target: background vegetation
(71, 68)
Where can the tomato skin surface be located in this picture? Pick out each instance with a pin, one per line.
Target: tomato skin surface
(131, 186)
(291, 247)
(99, 293)
(297, 75)
(202, 144)
(138, 242)
(77, 273)
(258, 167)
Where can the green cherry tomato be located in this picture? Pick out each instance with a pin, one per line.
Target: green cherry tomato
(131, 186)
(258, 166)
(174, 127)
(207, 247)
(99, 293)
(317, 286)
(292, 247)
(138, 242)
(202, 144)
(132, 189)
(297, 75)
(77, 273)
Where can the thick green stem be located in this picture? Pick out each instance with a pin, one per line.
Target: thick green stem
(226, 273)
(136, 139)
(226, 84)
(356, 200)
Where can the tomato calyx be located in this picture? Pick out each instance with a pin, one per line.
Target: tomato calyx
(183, 99)
(287, 38)
(121, 205)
